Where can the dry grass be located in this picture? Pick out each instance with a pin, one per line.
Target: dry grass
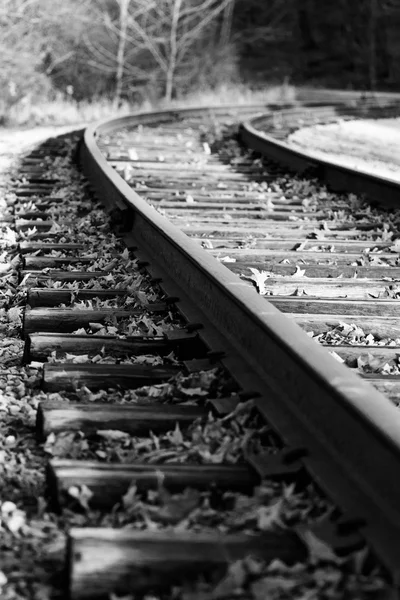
(240, 94)
(62, 111)
(65, 111)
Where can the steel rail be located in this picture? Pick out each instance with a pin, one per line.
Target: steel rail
(349, 432)
(304, 94)
(338, 177)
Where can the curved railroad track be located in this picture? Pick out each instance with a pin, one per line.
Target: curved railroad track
(226, 261)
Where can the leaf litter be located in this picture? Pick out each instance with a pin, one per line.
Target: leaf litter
(33, 539)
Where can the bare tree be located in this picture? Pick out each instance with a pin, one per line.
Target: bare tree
(173, 48)
(123, 21)
(21, 49)
(112, 51)
(372, 44)
(39, 42)
(152, 40)
(227, 19)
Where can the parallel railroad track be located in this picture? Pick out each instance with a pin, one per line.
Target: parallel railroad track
(317, 262)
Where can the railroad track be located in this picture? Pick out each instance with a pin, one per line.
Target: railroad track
(166, 335)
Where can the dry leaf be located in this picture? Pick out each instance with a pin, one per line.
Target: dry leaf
(77, 359)
(175, 437)
(15, 315)
(270, 587)
(174, 508)
(3, 580)
(259, 277)
(301, 246)
(318, 550)
(130, 499)
(396, 246)
(299, 272)
(132, 153)
(232, 582)
(112, 434)
(337, 357)
(269, 516)
(82, 494)
(227, 259)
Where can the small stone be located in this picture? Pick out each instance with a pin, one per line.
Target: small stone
(3, 580)
(8, 507)
(16, 521)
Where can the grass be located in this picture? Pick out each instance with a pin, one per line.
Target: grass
(240, 94)
(64, 111)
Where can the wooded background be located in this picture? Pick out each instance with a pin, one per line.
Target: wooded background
(136, 49)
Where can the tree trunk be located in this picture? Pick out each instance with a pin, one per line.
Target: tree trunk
(123, 13)
(372, 45)
(169, 83)
(226, 26)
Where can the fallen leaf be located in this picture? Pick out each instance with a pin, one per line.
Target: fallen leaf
(112, 434)
(269, 516)
(175, 437)
(82, 494)
(233, 581)
(3, 580)
(132, 153)
(15, 315)
(77, 359)
(270, 587)
(259, 277)
(174, 508)
(129, 499)
(337, 357)
(318, 550)
(95, 326)
(299, 272)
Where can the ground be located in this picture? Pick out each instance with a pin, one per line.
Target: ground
(366, 145)
(15, 142)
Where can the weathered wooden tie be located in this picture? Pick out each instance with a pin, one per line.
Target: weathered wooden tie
(316, 271)
(379, 355)
(103, 560)
(26, 247)
(53, 297)
(41, 297)
(46, 262)
(55, 416)
(331, 306)
(58, 275)
(40, 224)
(109, 482)
(69, 319)
(39, 346)
(70, 377)
(380, 327)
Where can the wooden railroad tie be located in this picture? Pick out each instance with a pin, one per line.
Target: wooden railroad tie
(105, 560)
(39, 346)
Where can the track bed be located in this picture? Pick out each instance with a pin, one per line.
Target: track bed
(179, 424)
